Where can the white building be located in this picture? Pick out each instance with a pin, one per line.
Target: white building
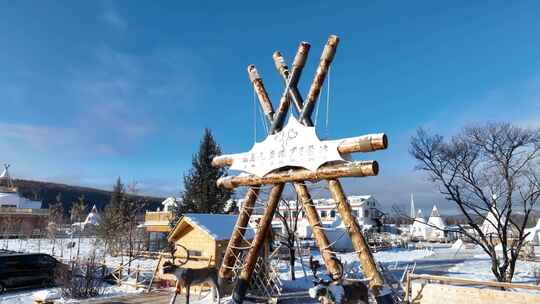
(364, 209)
(14, 208)
(9, 196)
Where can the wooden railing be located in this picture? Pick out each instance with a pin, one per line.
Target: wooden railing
(8, 189)
(469, 282)
(32, 211)
(157, 216)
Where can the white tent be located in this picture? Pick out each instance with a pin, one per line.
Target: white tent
(93, 217)
(534, 234)
(419, 228)
(437, 224)
(489, 226)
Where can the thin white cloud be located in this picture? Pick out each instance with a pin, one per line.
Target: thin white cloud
(113, 19)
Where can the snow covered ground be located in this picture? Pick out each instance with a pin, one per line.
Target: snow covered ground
(436, 259)
(59, 250)
(87, 248)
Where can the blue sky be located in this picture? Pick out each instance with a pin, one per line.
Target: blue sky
(95, 90)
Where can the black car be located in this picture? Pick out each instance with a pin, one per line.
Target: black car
(27, 269)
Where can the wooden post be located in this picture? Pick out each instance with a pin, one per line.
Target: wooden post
(407, 288)
(154, 274)
(265, 223)
(315, 222)
(324, 64)
(369, 267)
(330, 171)
(242, 223)
(137, 275)
(258, 85)
(291, 82)
(298, 63)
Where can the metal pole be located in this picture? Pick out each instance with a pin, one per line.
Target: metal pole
(236, 241)
(265, 223)
(320, 237)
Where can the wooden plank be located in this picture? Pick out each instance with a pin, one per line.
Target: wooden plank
(447, 294)
(472, 282)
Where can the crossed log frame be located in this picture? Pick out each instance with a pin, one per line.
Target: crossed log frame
(329, 172)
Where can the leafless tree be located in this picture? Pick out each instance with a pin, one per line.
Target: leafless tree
(289, 216)
(77, 215)
(131, 208)
(491, 174)
(56, 218)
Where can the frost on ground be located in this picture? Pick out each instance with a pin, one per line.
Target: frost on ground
(87, 248)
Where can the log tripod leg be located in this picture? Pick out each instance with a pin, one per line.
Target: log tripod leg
(237, 238)
(318, 233)
(369, 267)
(266, 222)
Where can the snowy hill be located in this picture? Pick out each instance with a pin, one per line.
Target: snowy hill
(47, 192)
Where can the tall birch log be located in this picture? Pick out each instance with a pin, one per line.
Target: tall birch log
(320, 237)
(330, 171)
(364, 143)
(236, 241)
(355, 232)
(265, 223)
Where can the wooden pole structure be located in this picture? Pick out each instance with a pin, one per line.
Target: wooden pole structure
(369, 266)
(265, 223)
(364, 143)
(242, 223)
(351, 169)
(291, 82)
(324, 64)
(298, 63)
(320, 237)
(258, 85)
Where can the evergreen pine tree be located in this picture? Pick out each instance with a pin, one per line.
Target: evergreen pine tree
(201, 193)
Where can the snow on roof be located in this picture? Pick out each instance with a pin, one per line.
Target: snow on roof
(219, 226)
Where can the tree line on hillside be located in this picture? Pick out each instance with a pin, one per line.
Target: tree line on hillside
(67, 195)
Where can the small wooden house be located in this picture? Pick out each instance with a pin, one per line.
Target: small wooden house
(202, 238)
